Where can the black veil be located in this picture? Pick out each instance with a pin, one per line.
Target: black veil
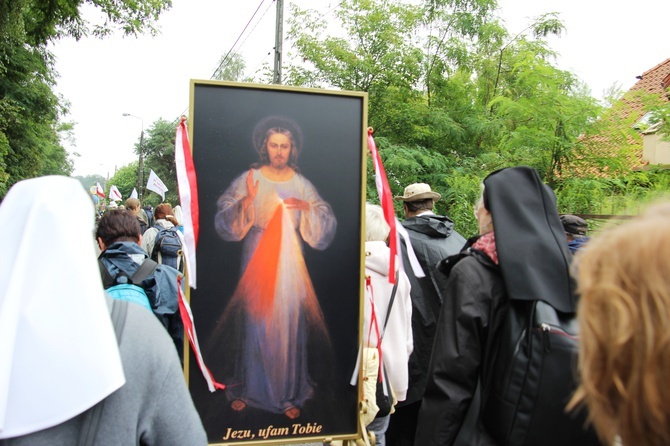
(532, 247)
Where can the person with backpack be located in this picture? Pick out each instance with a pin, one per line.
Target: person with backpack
(495, 376)
(164, 242)
(78, 368)
(125, 268)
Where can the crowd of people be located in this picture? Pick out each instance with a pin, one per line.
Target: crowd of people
(106, 373)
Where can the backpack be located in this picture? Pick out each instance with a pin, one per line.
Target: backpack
(532, 376)
(168, 243)
(127, 288)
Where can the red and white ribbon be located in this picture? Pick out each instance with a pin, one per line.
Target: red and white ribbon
(189, 328)
(188, 197)
(386, 200)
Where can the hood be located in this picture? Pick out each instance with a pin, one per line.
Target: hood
(532, 248)
(122, 249)
(164, 223)
(435, 226)
(377, 257)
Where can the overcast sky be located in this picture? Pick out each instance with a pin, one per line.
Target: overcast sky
(605, 44)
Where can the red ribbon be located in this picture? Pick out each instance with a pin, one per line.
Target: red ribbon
(374, 323)
(386, 200)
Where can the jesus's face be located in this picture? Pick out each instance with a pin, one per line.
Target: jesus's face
(279, 150)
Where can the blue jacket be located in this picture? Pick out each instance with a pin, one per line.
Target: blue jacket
(161, 286)
(577, 244)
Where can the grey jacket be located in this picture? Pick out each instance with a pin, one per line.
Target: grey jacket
(433, 239)
(153, 407)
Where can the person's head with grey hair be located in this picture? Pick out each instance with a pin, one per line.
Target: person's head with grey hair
(376, 228)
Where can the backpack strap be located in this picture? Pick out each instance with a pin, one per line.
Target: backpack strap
(156, 248)
(89, 425)
(388, 310)
(145, 270)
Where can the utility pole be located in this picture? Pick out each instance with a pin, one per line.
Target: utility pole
(140, 180)
(141, 163)
(279, 36)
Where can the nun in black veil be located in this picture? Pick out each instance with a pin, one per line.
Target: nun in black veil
(520, 253)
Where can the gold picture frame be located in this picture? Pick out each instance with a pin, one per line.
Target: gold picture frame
(278, 306)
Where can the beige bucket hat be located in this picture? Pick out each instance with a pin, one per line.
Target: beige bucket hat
(418, 191)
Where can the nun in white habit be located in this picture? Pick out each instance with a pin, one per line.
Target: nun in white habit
(59, 354)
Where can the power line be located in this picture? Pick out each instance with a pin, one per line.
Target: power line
(231, 48)
(238, 39)
(252, 29)
(260, 19)
(330, 10)
(250, 32)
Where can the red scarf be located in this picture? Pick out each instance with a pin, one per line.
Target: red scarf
(487, 244)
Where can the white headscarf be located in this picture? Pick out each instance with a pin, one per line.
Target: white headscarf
(58, 350)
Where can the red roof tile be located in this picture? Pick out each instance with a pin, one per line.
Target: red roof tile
(616, 138)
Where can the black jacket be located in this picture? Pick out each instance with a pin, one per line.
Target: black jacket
(534, 264)
(475, 301)
(433, 239)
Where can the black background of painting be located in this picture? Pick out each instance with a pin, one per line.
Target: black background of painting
(224, 117)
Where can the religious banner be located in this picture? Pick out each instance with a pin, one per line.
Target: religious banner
(155, 184)
(278, 307)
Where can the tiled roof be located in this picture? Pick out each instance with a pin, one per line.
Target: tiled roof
(652, 80)
(616, 138)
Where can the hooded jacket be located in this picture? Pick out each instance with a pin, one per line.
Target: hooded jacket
(475, 301)
(397, 343)
(433, 239)
(161, 286)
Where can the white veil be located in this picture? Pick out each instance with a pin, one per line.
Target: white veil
(58, 350)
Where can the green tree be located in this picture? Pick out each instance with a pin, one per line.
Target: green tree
(91, 180)
(452, 95)
(37, 22)
(543, 113)
(159, 155)
(31, 114)
(125, 179)
(231, 68)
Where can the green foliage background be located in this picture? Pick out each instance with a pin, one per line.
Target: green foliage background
(32, 115)
(453, 96)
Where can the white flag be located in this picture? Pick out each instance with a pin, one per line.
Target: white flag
(155, 184)
(99, 191)
(133, 194)
(114, 194)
